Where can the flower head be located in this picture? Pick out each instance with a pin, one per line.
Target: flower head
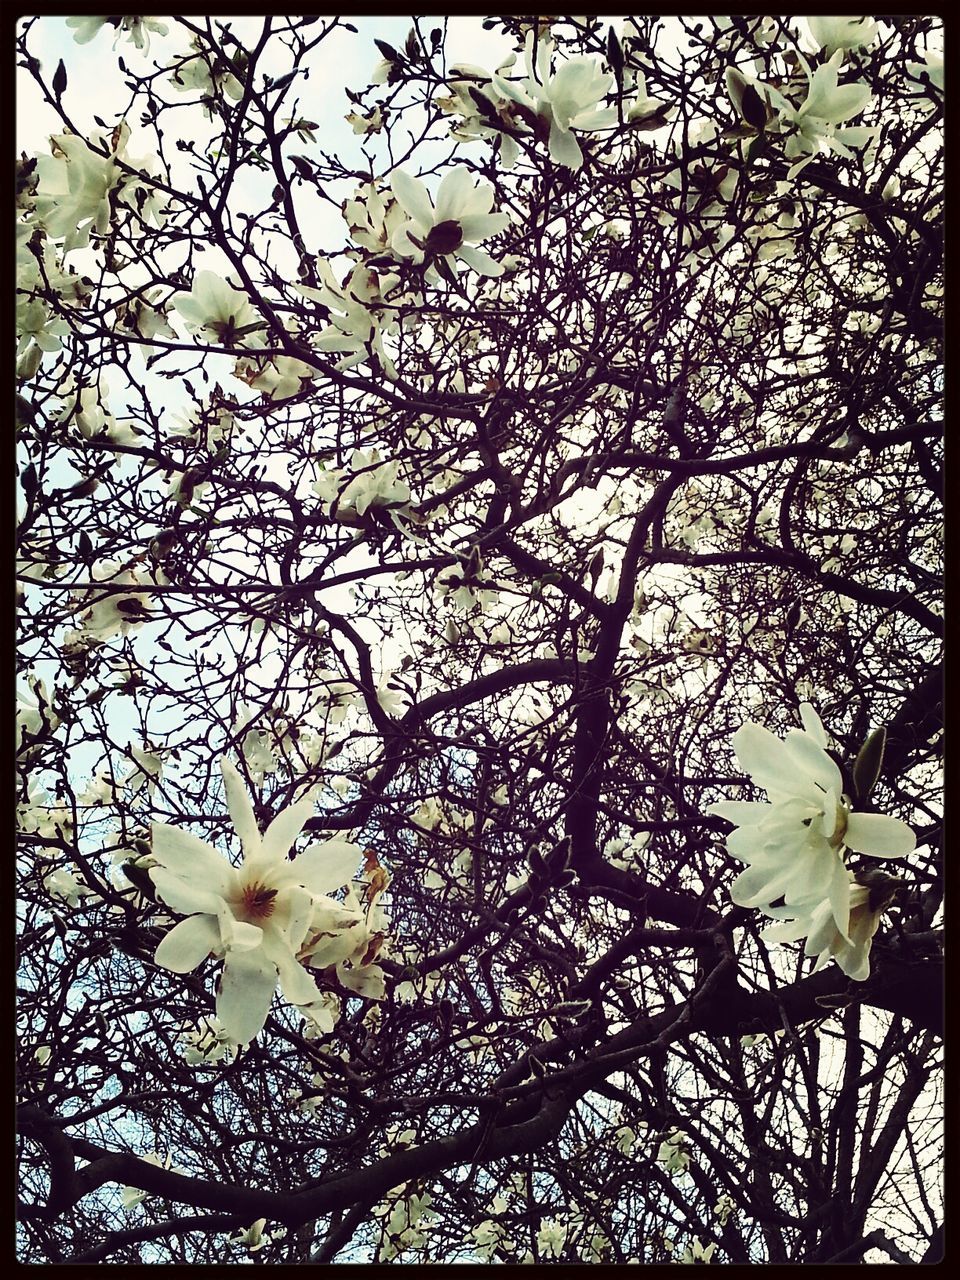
(256, 915)
(794, 844)
(449, 229)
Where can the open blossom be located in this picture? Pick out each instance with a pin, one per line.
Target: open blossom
(216, 311)
(366, 482)
(842, 33)
(563, 100)
(794, 845)
(452, 227)
(137, 29)
(824, 940)
(256, 915)
(105, 615)
(361, 311)
(74, 185)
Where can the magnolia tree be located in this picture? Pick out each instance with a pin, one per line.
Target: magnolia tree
(479, 617)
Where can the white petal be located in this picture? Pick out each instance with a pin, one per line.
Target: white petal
(564, 148)
(187, 856)
(188, 943)
(365, 981)
(454, 194)
(809, 759)
(247, 984)
(180, 895)
(878, 836)
(480, 261)
(293, 911)
(286, 826)
(812, 724)
(295, 982)
(241, 810)
(745, 813)
(413, 197)
(327, 866)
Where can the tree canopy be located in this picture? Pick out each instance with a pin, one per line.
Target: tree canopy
(479, 629)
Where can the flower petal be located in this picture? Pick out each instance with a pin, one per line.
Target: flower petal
(413, 197)
(878, 836)
(247, 984)
(188, 943)
(241, 810)
(191, 858)
(182, 896)
(286, 826)
(812, 724)
(328, 865)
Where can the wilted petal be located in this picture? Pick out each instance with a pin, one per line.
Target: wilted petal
(365, 981)
(247, 984)
(188, 943)
(878, 836)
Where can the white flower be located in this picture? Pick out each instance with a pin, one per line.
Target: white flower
(813, 125)
(216, 311)
(117, 613)
(551, 1238)
(725, 1205)
(196, 75)
(564, 99)
(794, 845)
(852, 950)
(74, 185)
(254, 1237)
(256, 915)
(673, 1153)
(842, 33)
(137, 29)
(63, 885)
(372, 123)
(450, 229)
(206, 1043)
(358, 315)
(696, 1252)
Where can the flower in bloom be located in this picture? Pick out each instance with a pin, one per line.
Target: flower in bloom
(842, 33)
(449, 229)
(117, 612)
(366, 482)
(696, 1252)
(824, 940)
(562, 100)
(137, 29)
(206, 1043)
(130, 1197)
(216, 311)
(551, 1237)
(673, 1153)
(254, 1237)
(813, 125)
(74, 185)
(257, 915)
(359, 315)
(724, 1207)
(794, 844)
